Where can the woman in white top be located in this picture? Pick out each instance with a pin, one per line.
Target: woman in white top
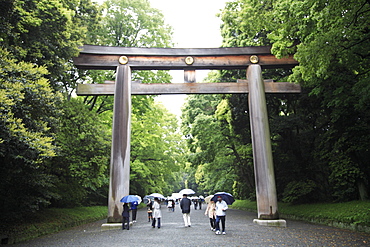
(157, 214)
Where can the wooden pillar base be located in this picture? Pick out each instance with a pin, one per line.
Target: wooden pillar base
(278, 223)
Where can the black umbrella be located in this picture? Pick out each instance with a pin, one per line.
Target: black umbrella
(227, 197)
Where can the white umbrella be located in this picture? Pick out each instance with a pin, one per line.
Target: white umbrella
(208, 198)
(157, 195)
(187, 192)
(176, 195)
(140, 200)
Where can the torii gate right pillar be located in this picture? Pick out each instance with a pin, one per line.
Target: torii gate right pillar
(262, 153)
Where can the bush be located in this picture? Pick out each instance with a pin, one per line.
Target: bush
(299, 191)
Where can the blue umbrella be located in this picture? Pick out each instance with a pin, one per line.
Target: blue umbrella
(130, 198)
(227, 197)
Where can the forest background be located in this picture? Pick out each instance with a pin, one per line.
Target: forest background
(55, 147)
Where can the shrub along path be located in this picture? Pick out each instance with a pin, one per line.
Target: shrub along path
(241, 231)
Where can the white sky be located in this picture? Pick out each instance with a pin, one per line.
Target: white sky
(195, 25)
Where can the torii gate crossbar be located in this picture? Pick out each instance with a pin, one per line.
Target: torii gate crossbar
(123, 60)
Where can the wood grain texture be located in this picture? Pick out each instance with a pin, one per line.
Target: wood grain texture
(138, 88)
(107, 58)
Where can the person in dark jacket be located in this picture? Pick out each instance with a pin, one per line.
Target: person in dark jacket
(149, 207)
(185, 208)
(126, 216)
(133, 206)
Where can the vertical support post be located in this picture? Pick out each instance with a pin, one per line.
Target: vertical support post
(189, 76)
(119, 184)
(262, 153)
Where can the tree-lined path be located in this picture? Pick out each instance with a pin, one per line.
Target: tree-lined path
(239, 227)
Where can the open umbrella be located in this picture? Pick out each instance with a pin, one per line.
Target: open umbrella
(187, 192)
(157, 195)
(146, 199)
(130, 198)
(227, 197)
(140, 200)
(208, 198)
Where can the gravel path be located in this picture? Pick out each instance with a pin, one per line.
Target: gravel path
(240, 229)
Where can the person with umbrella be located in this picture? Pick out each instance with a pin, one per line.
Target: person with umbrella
(221, 207)
(211, 212)
(126, 210)
(185, 209)
(125, 216)
(157, 214)
(133, 206)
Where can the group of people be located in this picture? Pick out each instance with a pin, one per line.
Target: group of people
(216, 212)
(197, 203)
(126, 214)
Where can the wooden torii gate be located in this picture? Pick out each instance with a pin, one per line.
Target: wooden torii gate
(123, 60)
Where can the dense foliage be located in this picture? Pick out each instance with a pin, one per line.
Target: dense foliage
(55, 147)
(29, 111)
(320, 138)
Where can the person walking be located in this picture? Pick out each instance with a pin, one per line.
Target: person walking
(211, 212)
(133, 206)
(185, 209)
(221, 208)
(195, 201)
(149, 207)
(126, 216)
(157, 214)
(173, 206)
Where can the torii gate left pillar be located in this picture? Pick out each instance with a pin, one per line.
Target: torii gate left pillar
(119, 183)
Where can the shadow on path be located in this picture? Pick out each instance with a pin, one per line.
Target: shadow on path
(241, 231)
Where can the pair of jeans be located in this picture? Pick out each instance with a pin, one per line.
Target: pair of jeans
(222, 219)
(159, 222)
(134, 212)
(186, 217)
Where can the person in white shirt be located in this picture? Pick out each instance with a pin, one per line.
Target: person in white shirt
(157, 214)
(221, 208)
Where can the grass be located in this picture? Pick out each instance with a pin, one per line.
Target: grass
(49, 221)
(354, 215)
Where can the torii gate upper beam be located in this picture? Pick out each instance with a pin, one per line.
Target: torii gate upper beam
(108, 58)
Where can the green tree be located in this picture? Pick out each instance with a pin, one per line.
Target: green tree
(45, 32)
(327, 125)
(29, 111)
(156, 151)
(130, 23)
(83, 157)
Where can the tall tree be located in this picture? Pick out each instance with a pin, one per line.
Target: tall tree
(130, 23)
(28, 120)
(330, 39)
(156, 152)
(83, 158)
(45, 32)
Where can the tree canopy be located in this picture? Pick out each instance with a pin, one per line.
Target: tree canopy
(320, 138)
(54, 146)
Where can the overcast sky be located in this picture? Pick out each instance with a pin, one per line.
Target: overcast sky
(195, 25)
